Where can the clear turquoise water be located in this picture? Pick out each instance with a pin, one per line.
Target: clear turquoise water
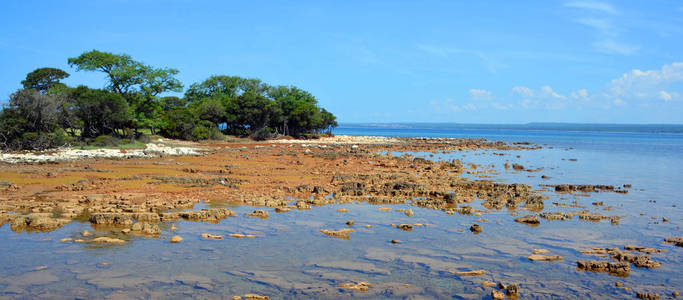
(291, 259)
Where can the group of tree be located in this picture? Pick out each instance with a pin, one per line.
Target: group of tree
(46, 113)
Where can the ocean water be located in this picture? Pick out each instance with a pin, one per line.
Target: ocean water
(291, 259)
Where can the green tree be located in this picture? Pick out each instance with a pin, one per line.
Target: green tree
(172, 102)
(43, 79)
(328, 120)
(31, 121)
(100, 112)
(211, 110)
(138, 83)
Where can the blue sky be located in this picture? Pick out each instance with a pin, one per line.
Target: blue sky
(385, 61)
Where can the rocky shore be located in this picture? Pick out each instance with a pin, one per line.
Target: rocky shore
(125, 194)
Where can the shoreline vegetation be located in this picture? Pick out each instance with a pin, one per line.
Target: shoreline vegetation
(47, 114)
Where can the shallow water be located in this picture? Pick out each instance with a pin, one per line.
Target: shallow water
(290, 258)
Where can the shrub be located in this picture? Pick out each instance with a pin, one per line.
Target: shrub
(105, 141)
(262, 134)
(143, 138)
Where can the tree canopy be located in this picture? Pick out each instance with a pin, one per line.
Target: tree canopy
(46, 113)
(42, 79)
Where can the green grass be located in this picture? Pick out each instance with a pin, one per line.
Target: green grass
(133, 145)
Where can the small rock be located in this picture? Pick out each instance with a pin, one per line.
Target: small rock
(86, 233)
(341, 233)
(528, 220)
(497, 295)
(538, 257)
(395, 241)
(647, 295)
(237, 235)
(475, 228)
(349, 223)
(406, 227)
(471, 273)
(211, 236)
(107, 240)
(361, 286)
(258, 214)
(512, 290)
(176, 239)
(282, 209)
(409, 212)
(342, 210)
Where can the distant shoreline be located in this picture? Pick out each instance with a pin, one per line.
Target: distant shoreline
(566, 127)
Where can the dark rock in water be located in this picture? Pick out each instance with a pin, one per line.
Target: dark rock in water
(111, 219)
(475, 228)
(675, 240)
(319, 190)
(147, 217)
(612, 268)
(450, 198)
(643, 249)
(512, 290)
(258, 213)
(517, 167)
(406, 227)
(497, 295)
(638, 260)
(146, 229)
(341, 233)
(531, 220)
(36, 222)
(647, 295)
(213, 215)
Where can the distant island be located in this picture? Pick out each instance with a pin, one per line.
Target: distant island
(597, 127)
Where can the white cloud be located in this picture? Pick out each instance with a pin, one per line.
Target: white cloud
(665, 96)
(602, 17)
(594, 6)
(523, 91)
(480, 94)
(611, 47)
(548, 92)
(647, 84)
(600, 24)
(581, 94)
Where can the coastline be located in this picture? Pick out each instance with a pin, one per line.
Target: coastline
(124, 202)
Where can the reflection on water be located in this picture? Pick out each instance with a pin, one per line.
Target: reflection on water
(291, 258)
